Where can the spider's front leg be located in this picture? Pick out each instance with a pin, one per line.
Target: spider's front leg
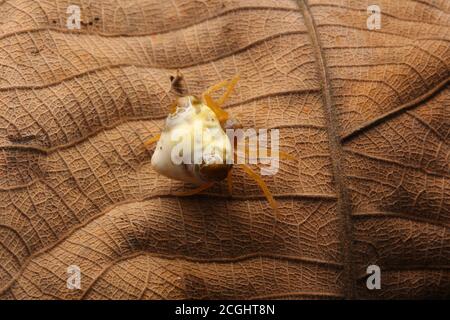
(152, 140)
(216, 106)
(229, 84)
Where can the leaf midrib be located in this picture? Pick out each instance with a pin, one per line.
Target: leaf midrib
(336, 151)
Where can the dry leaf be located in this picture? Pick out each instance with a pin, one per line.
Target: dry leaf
(366, 112)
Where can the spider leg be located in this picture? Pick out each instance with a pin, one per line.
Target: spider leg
(194, 191)
(229, 89)
(229, 86)
(216, 87)
(173, 107)
(287, 156)
(261, 184)
(221, 114)
(152, 140)
(216, 105)
(281, 154)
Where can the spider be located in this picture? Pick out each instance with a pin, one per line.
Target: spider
(205, 114)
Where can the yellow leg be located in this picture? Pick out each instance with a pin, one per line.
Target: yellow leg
(152, 140)
(221, 114)
(282, 154)
(229, 84)
(217, 106)
(194, 191)
(216, 87)
(173, 107)
(230, 88)
(287, 156)
(261, 184)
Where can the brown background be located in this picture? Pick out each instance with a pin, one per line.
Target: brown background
(366, 113)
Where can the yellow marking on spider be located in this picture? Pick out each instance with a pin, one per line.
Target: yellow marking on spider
(152, 140)
(261, 184)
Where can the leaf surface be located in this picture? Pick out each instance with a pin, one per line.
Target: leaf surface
(365, 112)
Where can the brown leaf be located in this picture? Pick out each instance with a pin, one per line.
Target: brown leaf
(366, 112)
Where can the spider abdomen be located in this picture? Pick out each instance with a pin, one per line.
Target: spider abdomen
(193, 146)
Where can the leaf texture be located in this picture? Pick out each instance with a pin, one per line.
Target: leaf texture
(365, 112)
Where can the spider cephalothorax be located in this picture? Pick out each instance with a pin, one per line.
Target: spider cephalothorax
(202, 124)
